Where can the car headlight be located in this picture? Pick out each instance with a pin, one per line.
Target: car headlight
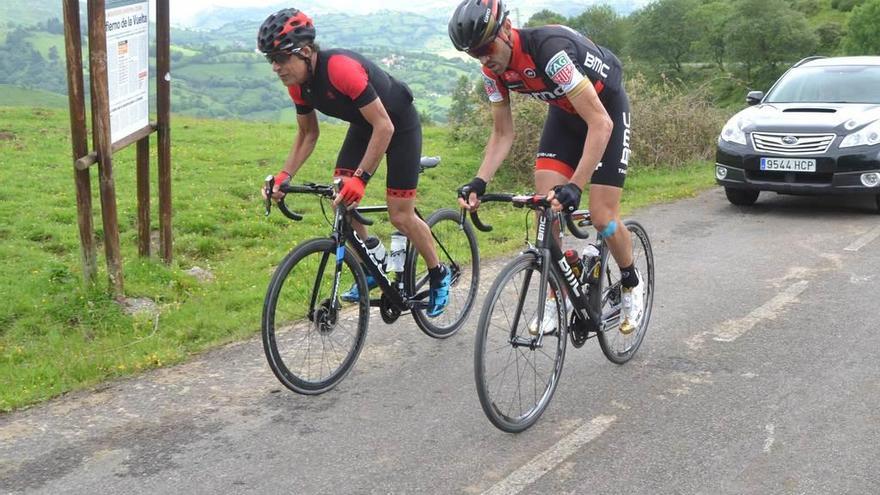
(732, 132)
(869, 136)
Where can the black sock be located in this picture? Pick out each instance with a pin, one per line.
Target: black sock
(437, 273)
(628, 277)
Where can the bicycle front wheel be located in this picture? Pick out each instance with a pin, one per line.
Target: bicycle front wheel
(515, 381)
(311, 338)
(617, 346)
(457, 248)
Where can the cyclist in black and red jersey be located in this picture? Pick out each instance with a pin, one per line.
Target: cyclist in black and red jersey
(587, 132)
(383, 121)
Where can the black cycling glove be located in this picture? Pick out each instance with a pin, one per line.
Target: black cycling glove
(569, 195)
(476, 185)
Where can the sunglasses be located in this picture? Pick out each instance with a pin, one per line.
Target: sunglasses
(281, 57)
(484, 50)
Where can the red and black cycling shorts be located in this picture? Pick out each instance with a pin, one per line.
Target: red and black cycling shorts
(403, 155)
(564, 134)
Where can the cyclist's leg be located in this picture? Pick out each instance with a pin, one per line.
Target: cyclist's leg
(402, 179)
(606, 185)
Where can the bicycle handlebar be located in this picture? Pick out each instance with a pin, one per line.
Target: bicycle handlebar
(533, 202)
(324, 190)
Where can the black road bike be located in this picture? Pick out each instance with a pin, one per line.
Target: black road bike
(517, 370)
(311, 337)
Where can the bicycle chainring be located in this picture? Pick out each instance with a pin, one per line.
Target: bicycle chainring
(389, 312)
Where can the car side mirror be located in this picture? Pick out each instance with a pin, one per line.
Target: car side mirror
(754, 97)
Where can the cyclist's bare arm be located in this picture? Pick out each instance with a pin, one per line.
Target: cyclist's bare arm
(500, 142)
(306, 137)
(383, 129)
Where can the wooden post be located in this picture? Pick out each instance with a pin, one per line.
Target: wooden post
(143, 195)
(101, 139)
(163, 103)
(79, 139)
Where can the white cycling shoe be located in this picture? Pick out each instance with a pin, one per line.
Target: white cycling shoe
(548, 323)
(633, 306)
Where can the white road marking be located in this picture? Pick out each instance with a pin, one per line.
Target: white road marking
(771, 437)
(731, 330)
(863, 240)
(544, 462)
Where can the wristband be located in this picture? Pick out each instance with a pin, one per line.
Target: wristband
(363, 175)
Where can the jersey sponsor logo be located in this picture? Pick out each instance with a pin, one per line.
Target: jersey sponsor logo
(596, 64)
(556, 94)
(627, 120)
(561, 69)
(491, 89)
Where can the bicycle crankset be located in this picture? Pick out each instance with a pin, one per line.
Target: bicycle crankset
(580, 331)
(389, 312)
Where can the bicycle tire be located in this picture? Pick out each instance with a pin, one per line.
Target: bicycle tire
(287, 314)
(458, 250)
(616, 346)
(493, 343)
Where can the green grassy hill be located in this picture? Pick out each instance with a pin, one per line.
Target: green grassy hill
(14, 96)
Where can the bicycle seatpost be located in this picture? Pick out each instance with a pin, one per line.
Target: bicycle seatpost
(270, 184)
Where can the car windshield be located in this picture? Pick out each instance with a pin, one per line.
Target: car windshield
(841, 84)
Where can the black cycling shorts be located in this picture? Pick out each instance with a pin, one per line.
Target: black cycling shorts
(564, 134)
(403, 155)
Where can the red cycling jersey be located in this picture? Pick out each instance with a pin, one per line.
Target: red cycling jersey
(553, 63)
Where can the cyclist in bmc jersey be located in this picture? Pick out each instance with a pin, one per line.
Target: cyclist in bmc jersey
(586, 136)
(383, 121)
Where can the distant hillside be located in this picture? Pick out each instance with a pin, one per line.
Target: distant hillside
(13, 96)
(28, 12)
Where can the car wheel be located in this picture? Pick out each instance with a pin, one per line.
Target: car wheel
(742, 197)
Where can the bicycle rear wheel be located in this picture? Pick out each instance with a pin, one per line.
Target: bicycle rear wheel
(457, 248)
(617, 346)
(515, 383)
(311, 338)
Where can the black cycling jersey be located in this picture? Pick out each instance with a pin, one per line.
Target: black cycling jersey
(342, 83)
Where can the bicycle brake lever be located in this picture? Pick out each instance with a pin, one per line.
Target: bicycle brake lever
(269, 185)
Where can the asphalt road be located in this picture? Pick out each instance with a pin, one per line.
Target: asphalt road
(760, 374)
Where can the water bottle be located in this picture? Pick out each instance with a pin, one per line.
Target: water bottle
(590, 255)
(398, 252)
(574, 261)
(376, 250)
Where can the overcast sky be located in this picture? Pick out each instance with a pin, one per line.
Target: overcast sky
(182, 10)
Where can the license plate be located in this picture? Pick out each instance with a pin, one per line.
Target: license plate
(789, 164)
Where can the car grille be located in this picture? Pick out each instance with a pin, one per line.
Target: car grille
(792, 144)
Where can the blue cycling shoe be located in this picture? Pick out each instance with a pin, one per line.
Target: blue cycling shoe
(353, 295)
(439, 294)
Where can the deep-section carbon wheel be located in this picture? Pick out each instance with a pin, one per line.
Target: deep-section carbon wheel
(617, 346)
(311, 338)
(457, 249)
(515, 377)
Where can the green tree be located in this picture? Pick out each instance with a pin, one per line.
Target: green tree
(863, 36)
(712, 19)
(830, 35)
(764, 33)
(662, 31)
(602, 24)
(545, 17)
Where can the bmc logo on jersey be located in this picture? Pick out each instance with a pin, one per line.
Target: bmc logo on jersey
(561, 69)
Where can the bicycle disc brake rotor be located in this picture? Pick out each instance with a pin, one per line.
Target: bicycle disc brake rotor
(326, 317)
